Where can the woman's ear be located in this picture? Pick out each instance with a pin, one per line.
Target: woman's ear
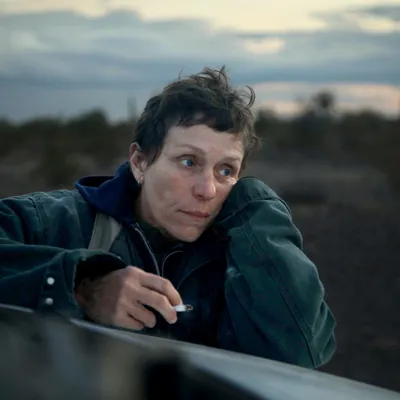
(138, 162)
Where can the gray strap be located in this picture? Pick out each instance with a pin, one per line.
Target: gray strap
(105, 231)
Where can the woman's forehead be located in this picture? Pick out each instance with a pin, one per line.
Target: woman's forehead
(201, 138)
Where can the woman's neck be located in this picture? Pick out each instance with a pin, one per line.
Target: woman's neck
(159, 238)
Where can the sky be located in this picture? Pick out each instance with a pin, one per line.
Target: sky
(65, 57)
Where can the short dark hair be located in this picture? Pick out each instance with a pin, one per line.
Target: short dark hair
(203, 98)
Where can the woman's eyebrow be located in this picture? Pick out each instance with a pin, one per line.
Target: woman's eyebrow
(230, 158)
(197, 149)
(233, 159)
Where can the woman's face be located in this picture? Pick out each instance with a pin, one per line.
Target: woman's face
(184, 189)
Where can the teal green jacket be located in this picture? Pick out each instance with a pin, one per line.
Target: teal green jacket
(252, 287)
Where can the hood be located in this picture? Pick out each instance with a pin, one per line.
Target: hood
(112, 195)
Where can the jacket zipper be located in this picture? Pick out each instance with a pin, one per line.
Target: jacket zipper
(187, 276)
(149, 250)
(161, 273)
(166, 258)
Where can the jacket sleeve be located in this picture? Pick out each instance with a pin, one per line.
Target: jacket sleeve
(275, 305)
(34, 274)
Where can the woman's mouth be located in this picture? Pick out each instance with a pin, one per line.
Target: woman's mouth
(197, 214)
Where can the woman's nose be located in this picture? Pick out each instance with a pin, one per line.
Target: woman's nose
(205, 188)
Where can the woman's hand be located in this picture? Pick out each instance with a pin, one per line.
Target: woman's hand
(119, 297)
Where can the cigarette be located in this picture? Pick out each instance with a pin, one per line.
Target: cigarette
(183, 307)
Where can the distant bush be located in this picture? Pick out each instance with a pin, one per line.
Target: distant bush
(366, 136)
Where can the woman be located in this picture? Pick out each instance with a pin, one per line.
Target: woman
(174, 227)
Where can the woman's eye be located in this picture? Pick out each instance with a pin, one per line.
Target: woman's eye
(226, 171)
(187, 162)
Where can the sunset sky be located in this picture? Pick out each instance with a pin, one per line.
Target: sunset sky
(66, 57)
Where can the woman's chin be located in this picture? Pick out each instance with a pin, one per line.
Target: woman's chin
(187, 234)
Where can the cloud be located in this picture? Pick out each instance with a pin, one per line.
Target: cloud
(48, 54)
(390, 12)
(88, 7)
(117, 49)
(282, 97)
(384, 18)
